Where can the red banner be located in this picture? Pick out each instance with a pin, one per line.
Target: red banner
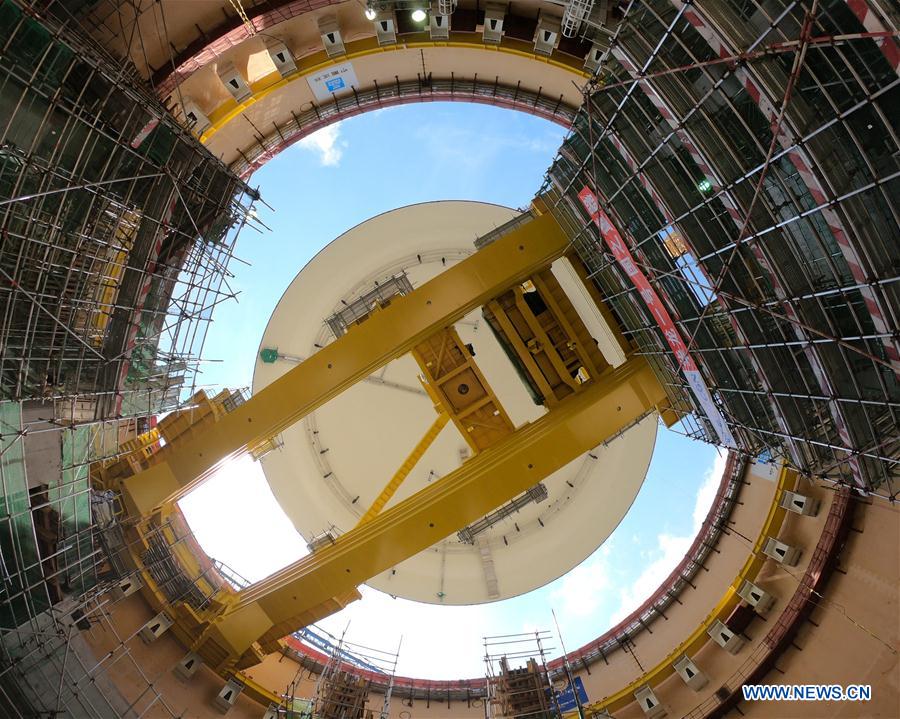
(686, 363)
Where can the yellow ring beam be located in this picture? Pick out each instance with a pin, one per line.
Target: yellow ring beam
(265, 86)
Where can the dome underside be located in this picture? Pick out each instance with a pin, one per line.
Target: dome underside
(334, 463)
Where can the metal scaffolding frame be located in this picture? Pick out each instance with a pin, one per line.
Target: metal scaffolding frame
(48, 669)
(117, 228)
(518, 683)
(341, 689)
(748, 158)
(56, 590)
(58, 577)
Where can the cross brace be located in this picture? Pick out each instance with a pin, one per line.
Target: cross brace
(270, 609)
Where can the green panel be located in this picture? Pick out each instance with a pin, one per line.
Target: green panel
(18, 546)
(218, 228)
(71, 499)
(10, 15)
(159, 145)
(34, 48)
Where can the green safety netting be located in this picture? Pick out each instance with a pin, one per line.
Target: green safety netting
(22, 591)
(70, 497)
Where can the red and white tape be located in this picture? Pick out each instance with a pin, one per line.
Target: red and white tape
(732, 207)
(787, 138)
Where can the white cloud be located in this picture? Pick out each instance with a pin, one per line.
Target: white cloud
(707, 492)
(580, 591)
(457, 631)
(441, 140)
(326, 143)
(671, 548)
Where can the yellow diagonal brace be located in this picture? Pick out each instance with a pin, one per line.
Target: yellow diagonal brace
(268, 610)
(411, 461)
(387, 334)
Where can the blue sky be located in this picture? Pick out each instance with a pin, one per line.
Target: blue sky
(367, 165)
(320, 188)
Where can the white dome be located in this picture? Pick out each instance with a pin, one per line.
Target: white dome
(336, 461)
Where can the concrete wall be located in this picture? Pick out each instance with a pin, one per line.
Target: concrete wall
(156, 661)
(722, 566)
(853, 635)
(855, 640)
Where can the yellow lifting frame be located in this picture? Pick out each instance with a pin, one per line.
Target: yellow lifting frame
(274, 607)
(386, 335)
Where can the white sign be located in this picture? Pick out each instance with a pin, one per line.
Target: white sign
(331, 81)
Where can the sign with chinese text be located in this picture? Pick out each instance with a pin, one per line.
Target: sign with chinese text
(331, 81)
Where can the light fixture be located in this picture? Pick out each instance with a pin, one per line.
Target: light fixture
(370, 13)
(418, 15)
(704, 185)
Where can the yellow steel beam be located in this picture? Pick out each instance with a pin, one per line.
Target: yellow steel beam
(543, 341)
(411, 461)
(570, 323)
(531, 365)
(276, 606)
(387, 334)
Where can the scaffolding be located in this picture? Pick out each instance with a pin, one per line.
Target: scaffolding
(746, 152)
(518, 682)
(117, 228)
(325, 642)
(67, 554)
(349, 673)
(747, 157)
(48, 669)
(116, 233)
